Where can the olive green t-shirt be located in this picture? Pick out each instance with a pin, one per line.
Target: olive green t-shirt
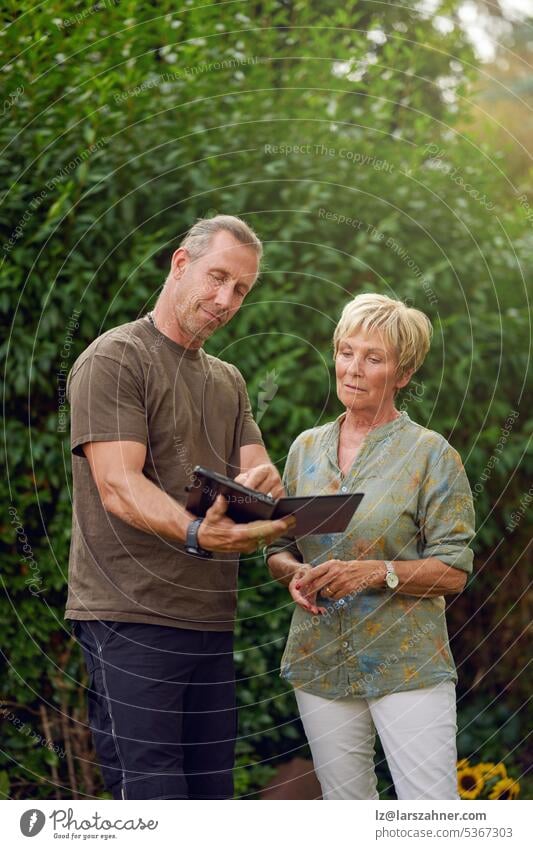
(134, 383)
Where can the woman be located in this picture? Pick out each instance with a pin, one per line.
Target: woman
(368, 646)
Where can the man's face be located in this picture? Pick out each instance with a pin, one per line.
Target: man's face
(208, 291)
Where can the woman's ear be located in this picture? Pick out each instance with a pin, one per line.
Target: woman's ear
(404, 379)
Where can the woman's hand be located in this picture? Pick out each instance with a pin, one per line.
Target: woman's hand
(338, 578)
(307, 603)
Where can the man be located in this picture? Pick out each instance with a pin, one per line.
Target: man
(152, 590)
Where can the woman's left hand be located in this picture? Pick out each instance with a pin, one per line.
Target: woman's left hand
(338, 578)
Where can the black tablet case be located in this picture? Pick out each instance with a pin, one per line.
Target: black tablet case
(315, 514)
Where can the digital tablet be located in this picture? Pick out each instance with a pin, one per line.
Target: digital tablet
(315, 514)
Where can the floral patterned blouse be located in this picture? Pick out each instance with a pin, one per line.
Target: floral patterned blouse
(417, 504)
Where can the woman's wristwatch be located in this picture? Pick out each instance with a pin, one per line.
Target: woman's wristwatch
(192, 545)
(391, 578)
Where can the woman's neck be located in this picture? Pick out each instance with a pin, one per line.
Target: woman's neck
(358, 423)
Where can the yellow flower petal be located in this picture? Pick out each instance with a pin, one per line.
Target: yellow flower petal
(469, 782)
(507, 788)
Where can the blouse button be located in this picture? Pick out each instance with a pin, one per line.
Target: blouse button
(345, 645)
(343, 488)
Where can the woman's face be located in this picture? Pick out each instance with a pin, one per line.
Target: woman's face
(366, 372)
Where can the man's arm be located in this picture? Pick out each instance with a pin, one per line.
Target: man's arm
(117, 470)
(126, 492)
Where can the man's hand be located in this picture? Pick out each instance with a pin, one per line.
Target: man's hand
(306, 602)
(219, 533)
(264, 478)
(338, 578)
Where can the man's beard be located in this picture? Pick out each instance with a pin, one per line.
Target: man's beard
(196, 324)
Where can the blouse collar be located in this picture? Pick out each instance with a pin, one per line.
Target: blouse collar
(377, 434)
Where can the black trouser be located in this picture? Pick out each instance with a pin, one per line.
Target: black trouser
(161, 709)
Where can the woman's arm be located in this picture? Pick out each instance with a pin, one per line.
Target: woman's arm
(284, 565)
(446, 522)
(422, 578)
(286, 569)
(428, 577)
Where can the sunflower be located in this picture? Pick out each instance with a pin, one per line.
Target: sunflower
(462, 763)
(507, 788)
(469, 782)
(490, 770)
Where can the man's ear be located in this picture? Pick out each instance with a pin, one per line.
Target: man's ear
(179, 262)
(404, 379)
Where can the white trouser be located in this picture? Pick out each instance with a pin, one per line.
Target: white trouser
(417, 729)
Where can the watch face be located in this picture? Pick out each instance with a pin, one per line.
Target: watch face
(392, 580)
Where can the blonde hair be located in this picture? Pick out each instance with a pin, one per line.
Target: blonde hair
(405, 330)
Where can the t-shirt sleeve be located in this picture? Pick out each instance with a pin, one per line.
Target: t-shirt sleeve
(106, 403)
(248, 429)
(446, 512)
(289, 479)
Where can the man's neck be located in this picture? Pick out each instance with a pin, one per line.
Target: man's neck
(167, 324)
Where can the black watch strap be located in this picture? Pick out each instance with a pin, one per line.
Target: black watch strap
(191, 541)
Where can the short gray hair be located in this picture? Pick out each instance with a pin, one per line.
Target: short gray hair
(198, 238)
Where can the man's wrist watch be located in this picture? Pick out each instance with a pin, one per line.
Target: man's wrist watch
(391, 578)
(192, 545)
